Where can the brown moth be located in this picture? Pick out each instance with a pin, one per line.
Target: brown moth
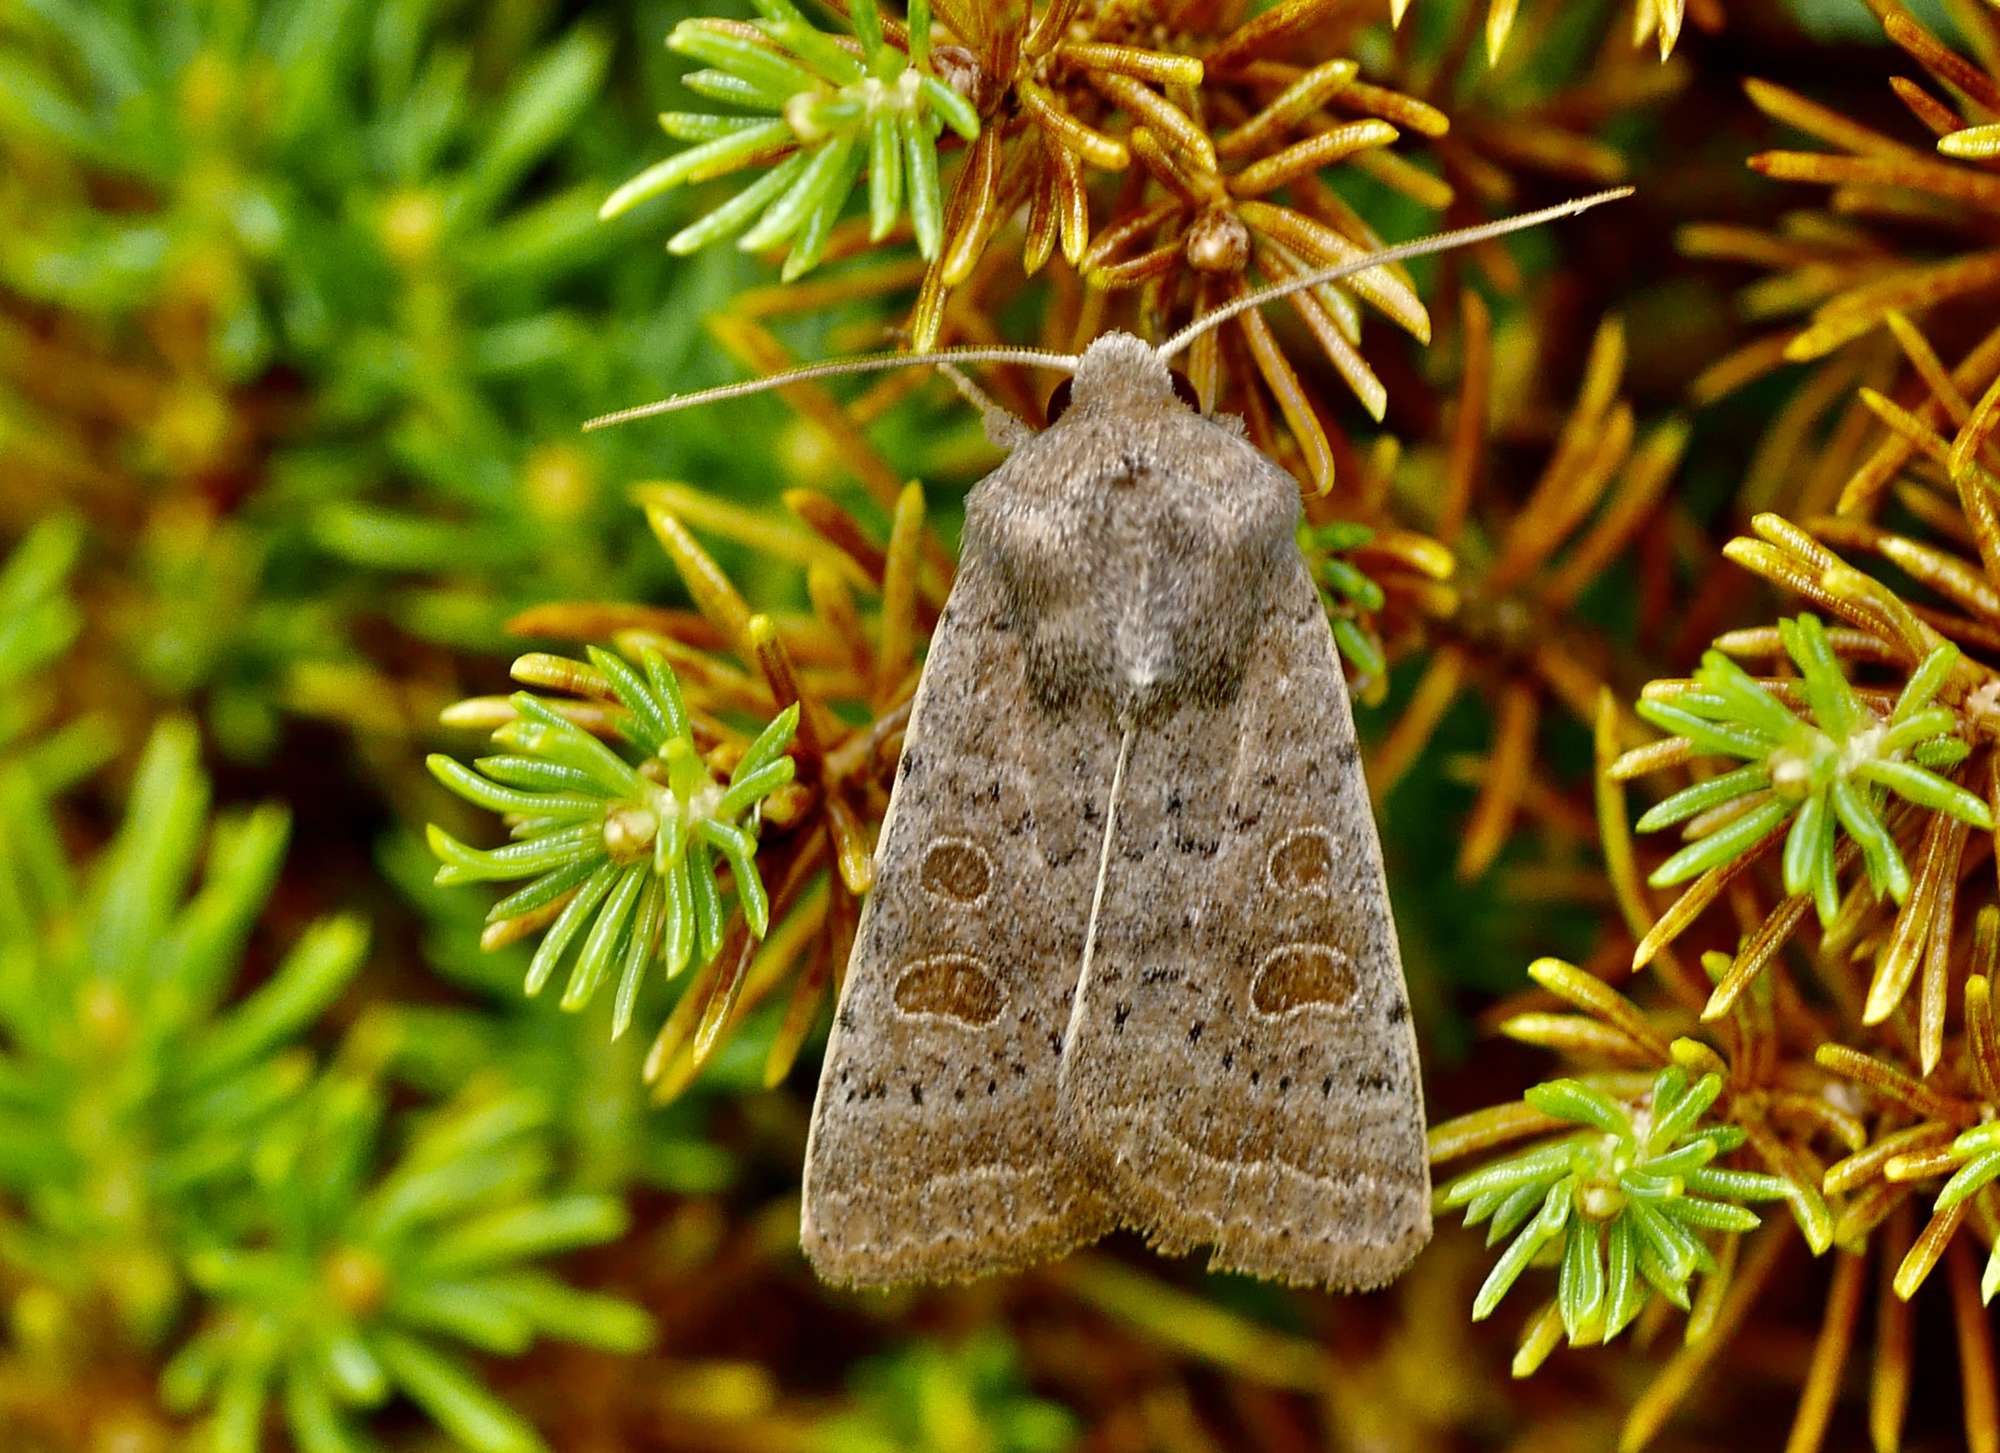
(1129, 959)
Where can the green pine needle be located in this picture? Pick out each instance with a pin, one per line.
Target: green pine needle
(1351, 597)
(1977, 1152)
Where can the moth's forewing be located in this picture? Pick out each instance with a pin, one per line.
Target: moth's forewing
(1241, 1070)
(934, 1151)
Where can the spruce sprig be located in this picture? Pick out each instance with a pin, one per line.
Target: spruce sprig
(1976, 1156)
(622, 856)
(1621, 1207)
(1833, 768)
(834, 109)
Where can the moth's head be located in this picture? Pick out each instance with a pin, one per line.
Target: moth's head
(1121, 372)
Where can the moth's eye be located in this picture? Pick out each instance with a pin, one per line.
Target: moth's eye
(1184, 389)
(1058, 403)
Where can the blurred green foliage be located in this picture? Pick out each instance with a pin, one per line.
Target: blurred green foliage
(927, 1398)
(364, 236)
(168, 1134)
(352, 1276)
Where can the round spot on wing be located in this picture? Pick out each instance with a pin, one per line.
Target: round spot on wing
(953, 986)
(1301, 975)
(957, 869)
(1302, 862)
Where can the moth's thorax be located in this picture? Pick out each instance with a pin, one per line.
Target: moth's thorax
(1138, 543)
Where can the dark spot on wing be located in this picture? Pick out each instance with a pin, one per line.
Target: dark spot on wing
(958, 870)
(1301, 975)
(1302, 861)
(953, 986)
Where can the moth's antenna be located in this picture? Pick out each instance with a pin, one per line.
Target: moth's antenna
(865, 363)
(1419, 247)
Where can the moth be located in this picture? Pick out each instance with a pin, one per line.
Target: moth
(1129, 959)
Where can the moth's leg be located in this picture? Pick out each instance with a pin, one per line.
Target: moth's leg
(1005, 429)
